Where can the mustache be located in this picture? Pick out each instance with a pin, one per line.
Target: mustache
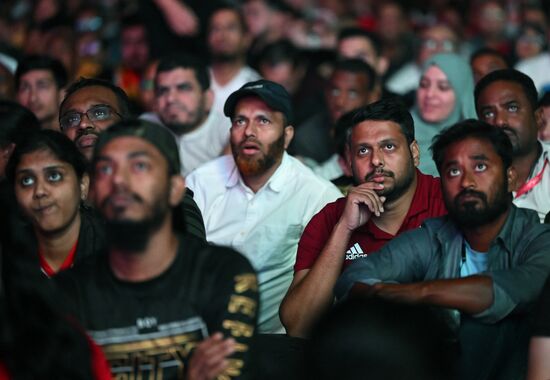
(470, 192)
(506, 128)
(108, 200)
(84, 132)
(377, 172)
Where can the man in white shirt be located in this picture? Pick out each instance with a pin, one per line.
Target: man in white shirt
(260, 200)
(228, 42)
(508, 99)
(183, 102)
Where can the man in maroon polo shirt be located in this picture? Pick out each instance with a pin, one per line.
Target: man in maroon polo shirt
(391, 197)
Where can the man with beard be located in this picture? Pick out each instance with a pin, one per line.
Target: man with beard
(228, 42)
(260, 200)
(93, 105)
(391, 196)
(40, 81)
(508, 99)
(160, 303)
(484, 264)
(183, 101)
(90, 106)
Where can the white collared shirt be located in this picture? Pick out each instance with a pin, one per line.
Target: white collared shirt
(538, 198)
(264, 226)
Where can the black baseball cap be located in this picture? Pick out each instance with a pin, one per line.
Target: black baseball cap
(156, 134)
(273, 94)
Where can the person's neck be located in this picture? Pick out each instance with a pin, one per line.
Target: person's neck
(256, 182)
(224, 72)
(395, 212)
(55, 248)
(480, 238)
(153, 260)
(524, 165)
(50, 123)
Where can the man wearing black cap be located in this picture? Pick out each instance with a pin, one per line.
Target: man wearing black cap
(157, 294)
(260, 200)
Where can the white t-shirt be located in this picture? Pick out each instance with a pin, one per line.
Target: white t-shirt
(538, 69)
(538, 198)
(264, 226)
(221, 93)
(201, 145)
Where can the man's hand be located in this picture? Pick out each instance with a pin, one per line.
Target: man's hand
(209, 358)
(362, 201)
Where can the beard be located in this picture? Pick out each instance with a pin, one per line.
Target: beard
(401, 183)
(225, 57)
(474, 214)
(196, 118)
(133, 235)
(254, 166)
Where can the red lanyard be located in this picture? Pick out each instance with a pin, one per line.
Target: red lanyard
(527, 186)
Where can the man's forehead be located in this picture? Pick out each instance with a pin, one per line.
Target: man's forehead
(472, 147)
(38, 74)
(377, 130)
(85, 97)
(503, 87)
(124, 147)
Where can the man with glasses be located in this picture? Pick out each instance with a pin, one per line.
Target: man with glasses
(90, 106)
(93, 105)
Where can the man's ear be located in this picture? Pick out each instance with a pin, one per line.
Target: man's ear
(208, 99)
(511, 179)
(539, 118)
(177, 189)
(84, 186)
(289, 134)
(415, 152)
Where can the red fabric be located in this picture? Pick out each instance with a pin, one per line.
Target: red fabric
(100, 367)
(4, 372)
(427, 203)
(69, 260)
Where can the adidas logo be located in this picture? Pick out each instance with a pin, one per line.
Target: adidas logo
(355, 252)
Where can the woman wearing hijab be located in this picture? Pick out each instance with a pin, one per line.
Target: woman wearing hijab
(445, 96)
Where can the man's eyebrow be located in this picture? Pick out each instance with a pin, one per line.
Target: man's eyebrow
(480, 156)
(139, 153)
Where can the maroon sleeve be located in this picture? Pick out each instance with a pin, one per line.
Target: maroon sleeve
(316, 234)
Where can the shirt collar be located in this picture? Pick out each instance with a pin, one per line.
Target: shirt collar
(507, 235)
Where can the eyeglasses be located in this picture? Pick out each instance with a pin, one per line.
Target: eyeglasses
(444, 45)
(97, 113)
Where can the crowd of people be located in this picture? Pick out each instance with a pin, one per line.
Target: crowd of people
(274, 189)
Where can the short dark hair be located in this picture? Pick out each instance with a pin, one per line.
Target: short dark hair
(16, 121)
(389, 109)
(489, 51)
(358, 66)
(185, 61)
(41, 62)
(472, 128)
(281, 51)
(56, 142)
(122, 98)
(353, 32)
(509, 75)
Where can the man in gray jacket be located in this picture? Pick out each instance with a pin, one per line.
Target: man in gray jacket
(486, 261)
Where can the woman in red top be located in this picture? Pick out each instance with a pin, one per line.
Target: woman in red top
(50, 182)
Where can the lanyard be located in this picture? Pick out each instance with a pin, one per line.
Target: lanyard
(527, 186)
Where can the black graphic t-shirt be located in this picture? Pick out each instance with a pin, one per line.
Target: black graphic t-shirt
(148, 329)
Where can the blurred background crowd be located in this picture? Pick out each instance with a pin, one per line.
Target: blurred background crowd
(122, 39)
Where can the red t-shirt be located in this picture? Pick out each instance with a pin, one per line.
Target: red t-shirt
(426, 203)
